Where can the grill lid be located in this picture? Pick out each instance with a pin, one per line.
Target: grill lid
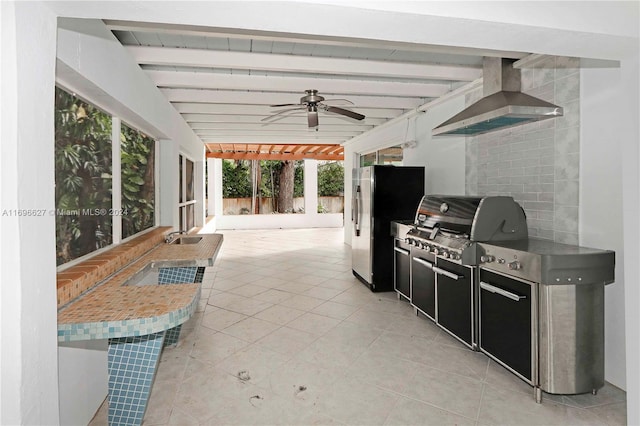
(447, 213)
(492, 218)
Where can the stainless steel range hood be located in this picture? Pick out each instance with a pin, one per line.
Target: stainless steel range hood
(503, 104)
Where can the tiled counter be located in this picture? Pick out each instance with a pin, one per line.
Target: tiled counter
(139, 320)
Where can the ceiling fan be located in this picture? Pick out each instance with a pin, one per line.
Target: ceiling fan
(312, 102)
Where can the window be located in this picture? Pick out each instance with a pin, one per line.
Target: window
(85, 184)
(368, 159)
(82, 177)
(186, 193)
(137, 155)
(391, 155)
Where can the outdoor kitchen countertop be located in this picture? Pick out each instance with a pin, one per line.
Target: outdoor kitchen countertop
(112, 309)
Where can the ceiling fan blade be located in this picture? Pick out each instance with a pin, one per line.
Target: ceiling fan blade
(347, 101)
(312, 118)
(274, 118)
(284, 105)
(344, 112)
(300, 107)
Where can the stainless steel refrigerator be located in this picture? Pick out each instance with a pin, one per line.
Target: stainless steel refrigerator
(381, 194)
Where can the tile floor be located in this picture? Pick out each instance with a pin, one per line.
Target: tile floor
(285, 335)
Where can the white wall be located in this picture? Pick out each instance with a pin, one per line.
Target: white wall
(309, 219)
(200, 208)
(442, 157)
(168, 182)
(601, 206)
(78, 377)
(279, 221)
(94, 64)
(627, 111)
(28, 346)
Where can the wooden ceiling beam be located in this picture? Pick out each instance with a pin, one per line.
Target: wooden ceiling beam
(275, 151)
(264, 156)
(337, 149)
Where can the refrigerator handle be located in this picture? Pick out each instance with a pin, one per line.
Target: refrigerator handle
(356, 210)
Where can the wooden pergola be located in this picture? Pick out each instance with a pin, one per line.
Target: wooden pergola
(243, 151)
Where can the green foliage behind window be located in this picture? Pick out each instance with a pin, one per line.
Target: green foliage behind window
(82, 177)
(331, 179)
(138, 181)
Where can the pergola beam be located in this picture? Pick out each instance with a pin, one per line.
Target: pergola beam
(273, 156)
(275, 151)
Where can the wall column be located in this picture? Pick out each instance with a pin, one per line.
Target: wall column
(199, 193)
(311, 187)
(168, 182)
(28, 304)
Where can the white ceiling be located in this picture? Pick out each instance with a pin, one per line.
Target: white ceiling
(223, 81)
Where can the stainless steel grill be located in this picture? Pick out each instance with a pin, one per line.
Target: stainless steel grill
(533, 305)
(449, 226)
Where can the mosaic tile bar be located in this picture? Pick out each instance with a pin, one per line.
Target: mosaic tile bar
(132, 366)
(112, 310)
(138, 319)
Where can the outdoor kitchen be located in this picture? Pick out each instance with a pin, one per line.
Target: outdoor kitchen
(494, 283)
(535, 306)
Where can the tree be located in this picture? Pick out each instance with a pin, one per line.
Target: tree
(235, 179)
(285, 191)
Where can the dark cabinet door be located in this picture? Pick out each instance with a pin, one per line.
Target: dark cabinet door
(505, 321)
(423, 282)
(455, 296)
(402, 268)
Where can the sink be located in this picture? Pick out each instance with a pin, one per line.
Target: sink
(186, 240)
(153, 274)
(148, 275)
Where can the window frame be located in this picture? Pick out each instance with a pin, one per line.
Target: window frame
(183, 203)
(116, 183)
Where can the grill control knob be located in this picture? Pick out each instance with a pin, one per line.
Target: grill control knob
(407, 240)
(455, 256)
(487, 258)
(515, 265)
(445, 254)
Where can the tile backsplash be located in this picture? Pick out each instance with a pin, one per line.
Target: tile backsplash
(538, 164)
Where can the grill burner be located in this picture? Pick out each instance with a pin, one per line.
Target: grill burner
(449, 226)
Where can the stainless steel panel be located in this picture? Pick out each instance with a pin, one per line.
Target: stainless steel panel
(362, 240)
(506, 260)
(571, 338)
(548, 262)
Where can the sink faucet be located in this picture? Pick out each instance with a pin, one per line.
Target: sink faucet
(169, 237)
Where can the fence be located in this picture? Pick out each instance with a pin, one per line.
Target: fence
(235, 206)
